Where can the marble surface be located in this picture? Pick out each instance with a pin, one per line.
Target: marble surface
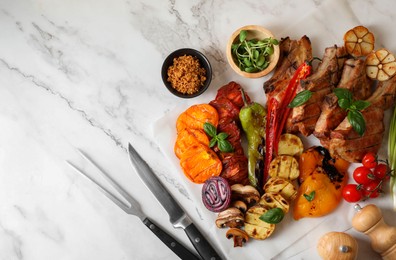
(86, 74)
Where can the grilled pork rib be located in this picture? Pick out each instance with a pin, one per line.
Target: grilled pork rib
(355, 80)
(320, 83)
(292, 54)
(347, 144)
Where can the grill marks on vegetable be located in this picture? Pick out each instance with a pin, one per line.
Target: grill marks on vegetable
(328, 166)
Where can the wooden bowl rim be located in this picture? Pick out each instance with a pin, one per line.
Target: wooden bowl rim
(274, 56)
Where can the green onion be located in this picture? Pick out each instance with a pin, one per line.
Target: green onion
(392, 157)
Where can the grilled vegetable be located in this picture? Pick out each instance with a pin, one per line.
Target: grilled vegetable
(216, 194)
(278, 112)
(281, 186)
(239, 236)
(231, 217)
(199, 163)
(274, 200)
(284, 166)
(252, 117)
(254, 226)
(380, 65)
(247, 193)
(195, 117)
(290, 144)
(189, 137)
(359, 41)
(321, 189)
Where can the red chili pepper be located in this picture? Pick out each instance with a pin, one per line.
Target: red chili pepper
(278, 112)
(270, 134)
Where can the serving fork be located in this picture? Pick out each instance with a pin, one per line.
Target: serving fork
(133, 208)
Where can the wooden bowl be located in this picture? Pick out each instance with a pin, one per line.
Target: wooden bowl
(254, 32)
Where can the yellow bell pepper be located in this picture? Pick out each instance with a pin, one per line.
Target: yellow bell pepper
(321, 188)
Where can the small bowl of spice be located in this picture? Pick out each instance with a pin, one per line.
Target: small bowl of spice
(186, 73)
(253, 51)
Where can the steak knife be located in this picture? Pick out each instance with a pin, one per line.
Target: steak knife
(177, 216)
(133, 208)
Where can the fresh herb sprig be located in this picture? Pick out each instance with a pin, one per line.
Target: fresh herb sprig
(355, 117)
(219, 139)
(253, 55)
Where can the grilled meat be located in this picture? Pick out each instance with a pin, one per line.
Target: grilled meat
(354, 79)
(384, 95)
(320, 83)
(292, 54)
(346, 143)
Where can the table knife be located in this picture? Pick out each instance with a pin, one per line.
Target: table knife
(133, 208)
(177, 216)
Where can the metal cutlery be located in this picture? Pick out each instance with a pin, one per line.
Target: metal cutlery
(134, 209)
(178, 217)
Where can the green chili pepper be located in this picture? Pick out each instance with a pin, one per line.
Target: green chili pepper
(253, 119)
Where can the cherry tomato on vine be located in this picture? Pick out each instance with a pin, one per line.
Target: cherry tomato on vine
(352, 193)
(363, 175)
(373, 189)
(381, 171)
(369, 160)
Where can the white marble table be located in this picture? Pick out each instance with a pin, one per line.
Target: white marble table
(86, 74)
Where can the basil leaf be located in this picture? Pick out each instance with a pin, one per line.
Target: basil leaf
(222, 136)
(273, 216)
(224, 146)
(310, 197)
(344, 103)
(301, 98)
(356, 119)
(210, 129)
(242, 35)
(361, 104)
(343, 93)
(212, 142)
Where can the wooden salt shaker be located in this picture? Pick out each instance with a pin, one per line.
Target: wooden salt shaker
(369, 220)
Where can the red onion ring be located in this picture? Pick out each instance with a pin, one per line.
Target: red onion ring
(216, 194)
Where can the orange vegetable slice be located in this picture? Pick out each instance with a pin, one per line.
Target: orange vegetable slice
(327, 196)
(319, 195)
(187, 138)
(199, 163)
(359, 41)
(309, 161)
(195, 117)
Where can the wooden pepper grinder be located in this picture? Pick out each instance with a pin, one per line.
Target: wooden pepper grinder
(369, 220)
